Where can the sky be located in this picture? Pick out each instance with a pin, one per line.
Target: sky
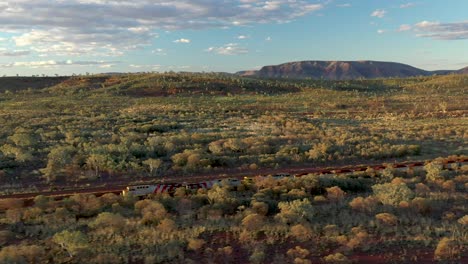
(64, 37)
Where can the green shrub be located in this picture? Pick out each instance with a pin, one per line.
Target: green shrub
(392, 194)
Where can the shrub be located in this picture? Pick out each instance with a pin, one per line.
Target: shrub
(367, 204)
(335, 193)
(258, 255)
(260, 208)
(387, 219)
(253, 222)
(434, 171)
(167, 225)
(331, 231)
(392, 194)
(387, 174)
(298, 252)
(360, 238)
(301, 232)
(422, 189)
(446, 249)
(195, 244)
(463, 220)
(449, 185)
(422, 205)
(151, 211)
(106, 219)
(337, 258)
(72, 242)
(22, 254)
(295, 211)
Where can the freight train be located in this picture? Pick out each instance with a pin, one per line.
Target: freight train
(142, 190)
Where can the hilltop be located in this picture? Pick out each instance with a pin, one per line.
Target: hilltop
(342, 70)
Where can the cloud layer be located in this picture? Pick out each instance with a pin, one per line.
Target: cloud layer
(111, 27)
(55, 64)
(442, 31)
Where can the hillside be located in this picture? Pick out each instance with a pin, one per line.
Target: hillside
(463, 71)
(144, 85)
(341, 70)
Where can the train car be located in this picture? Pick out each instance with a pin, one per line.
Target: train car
(142, 190)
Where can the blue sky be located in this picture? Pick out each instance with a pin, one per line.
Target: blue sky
(78, 36)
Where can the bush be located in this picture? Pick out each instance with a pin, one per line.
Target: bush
(22, 254)
(367, 204)
(298, 252)
(195, 244)
(463, 220)
(253, 222)
(301, 233)
(335, 193)
(446, 249)
(295, 211)
(392, 194)
(108, 220)
(337, 258)
(387, 219)
(434, 171)
(422, 189)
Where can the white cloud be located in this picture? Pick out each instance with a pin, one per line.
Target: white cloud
(380, 31)
(442, 31)
(13, 53)
(106, 66)
(242, 37)
(344, 5)
(380, 13)
(159, 52)
(55, 64)
(404, 27)
(182, 40)
(228, 49)
(112, 27)
(268, 39)
(145, 66)
(426, 24)
(407, 5)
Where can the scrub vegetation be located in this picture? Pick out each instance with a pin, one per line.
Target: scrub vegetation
(100, 129)
(153, 125)
(356, 218)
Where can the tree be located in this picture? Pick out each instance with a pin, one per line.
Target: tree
(153, 165)
(72, 242)
(58, 158)
(97, 162)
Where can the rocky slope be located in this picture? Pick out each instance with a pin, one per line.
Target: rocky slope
(341, 70)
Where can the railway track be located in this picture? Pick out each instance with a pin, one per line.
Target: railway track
(116, 189)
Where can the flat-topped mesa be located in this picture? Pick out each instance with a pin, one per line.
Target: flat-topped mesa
(342, 70)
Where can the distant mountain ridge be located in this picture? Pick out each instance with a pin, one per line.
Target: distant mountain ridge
(342, 70)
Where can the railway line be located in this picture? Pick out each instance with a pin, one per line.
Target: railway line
(298, 172)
